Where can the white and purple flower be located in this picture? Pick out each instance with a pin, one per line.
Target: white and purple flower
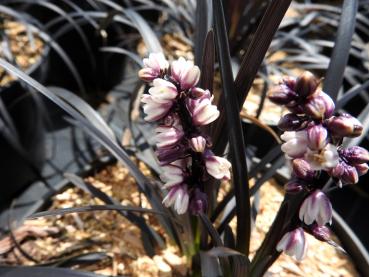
(185, 73)
(178, 197)
(217, 167)
(202, 111)
(316, 208)
(294, 244)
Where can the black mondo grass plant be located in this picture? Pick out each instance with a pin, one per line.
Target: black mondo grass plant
(193, 128)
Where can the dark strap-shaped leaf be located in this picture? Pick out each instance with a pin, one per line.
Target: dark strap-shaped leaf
(341, 50)
(23, 271)
(92, 208)
(235, 134)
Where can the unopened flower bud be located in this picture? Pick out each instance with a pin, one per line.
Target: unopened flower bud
(355, 155)
(302, 169)
(316, 207)
(306, 84)
(344, 125)
(338, 170)
(293, 244)
(295, 107)
(350, 175)
(319, 106)
(168, 135)
(294, 186)
(289, 82)
(290, 122)
(322, 233)
(317, 137)
(198, 144)
(281, 94)
(198, 203)
(362, 169)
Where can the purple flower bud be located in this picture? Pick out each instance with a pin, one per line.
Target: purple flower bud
(322, 233)
(177, 197)
(290, 122)
(217, 167)
(293, 244)
(362, 168)
(295, 107)
(316, 207)
(306, 84)
(281, 94)
(317, 137)
(198, 144)
(319, 105)
(185, 72)
(294, 186)
(198, 202)
(302, 169)
(350, 175)
(355, 155)
(289, 82)
(344, 125)
(168, 155)
(338, 170)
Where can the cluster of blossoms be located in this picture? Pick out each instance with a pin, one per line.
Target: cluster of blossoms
(313, 137)
(183, 150)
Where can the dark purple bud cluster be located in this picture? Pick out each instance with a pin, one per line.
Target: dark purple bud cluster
(312, 143)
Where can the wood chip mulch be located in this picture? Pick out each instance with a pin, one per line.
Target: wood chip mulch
(55, 238)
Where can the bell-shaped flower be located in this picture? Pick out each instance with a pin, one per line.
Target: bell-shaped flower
(156, 62)
(294, 244)
(198, 144)
(295, 143)
(316, 208)
(319, 105)
(177, 197)
(361, 169)
(202, 111)
(325, 158)
(185, 73)
(172, 175)
(217, 167)
(163, 91)
(154, 110)
(168, 135)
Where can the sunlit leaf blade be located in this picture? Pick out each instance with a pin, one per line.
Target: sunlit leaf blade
(335, 72)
